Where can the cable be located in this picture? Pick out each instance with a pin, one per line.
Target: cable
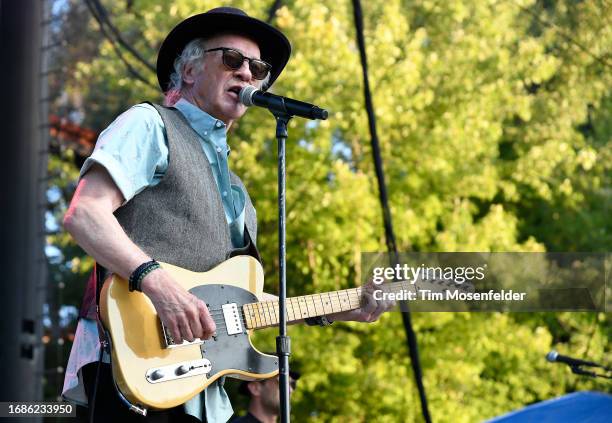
(273, 9)
(102, 13)
(384, 201)
(92, 406)
(129, 67)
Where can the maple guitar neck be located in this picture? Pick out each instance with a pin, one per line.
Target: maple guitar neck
(265, 314)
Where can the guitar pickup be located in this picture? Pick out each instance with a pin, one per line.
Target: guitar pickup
(231, 315)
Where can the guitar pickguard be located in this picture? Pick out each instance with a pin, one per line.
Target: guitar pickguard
(231, 352)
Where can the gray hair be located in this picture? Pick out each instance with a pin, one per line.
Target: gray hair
(194, 53)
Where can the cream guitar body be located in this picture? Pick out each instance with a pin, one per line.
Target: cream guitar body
(149, 372)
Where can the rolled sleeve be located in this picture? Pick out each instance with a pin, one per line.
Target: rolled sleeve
(133, 150)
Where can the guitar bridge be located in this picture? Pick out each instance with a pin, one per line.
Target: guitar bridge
(169, 341)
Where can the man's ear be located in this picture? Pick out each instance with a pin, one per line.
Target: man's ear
(254, 388)
(189, 73)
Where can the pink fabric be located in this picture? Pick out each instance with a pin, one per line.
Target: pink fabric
(172, 97)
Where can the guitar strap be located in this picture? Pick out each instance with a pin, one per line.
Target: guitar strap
(249, 248)
(100, 274)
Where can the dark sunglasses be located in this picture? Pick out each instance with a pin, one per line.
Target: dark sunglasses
(233, 59)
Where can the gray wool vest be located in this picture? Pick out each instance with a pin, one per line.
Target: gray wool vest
(181, 220)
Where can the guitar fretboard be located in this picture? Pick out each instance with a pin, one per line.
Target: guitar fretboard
(265, 313)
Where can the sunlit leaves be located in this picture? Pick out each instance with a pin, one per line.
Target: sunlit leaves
(494, 129)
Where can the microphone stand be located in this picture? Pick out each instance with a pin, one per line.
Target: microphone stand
(283, 342)
(279, 109)
(577, 370)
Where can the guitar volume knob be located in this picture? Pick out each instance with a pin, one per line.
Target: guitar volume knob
(157, 374)
(181, 370)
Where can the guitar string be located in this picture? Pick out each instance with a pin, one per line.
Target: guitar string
(351, 293)
(295, 302)
(268, 314)
(264, 306)
(220, 321)
(271, 308)
(269, 320)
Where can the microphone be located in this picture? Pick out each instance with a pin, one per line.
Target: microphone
(251, 96)
(554, 356)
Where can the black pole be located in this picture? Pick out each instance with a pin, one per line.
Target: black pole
(283, 342)
(23, 120)
(384, 201)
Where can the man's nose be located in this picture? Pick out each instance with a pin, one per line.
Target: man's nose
(244, 72)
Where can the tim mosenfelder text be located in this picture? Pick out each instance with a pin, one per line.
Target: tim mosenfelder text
(449, 295)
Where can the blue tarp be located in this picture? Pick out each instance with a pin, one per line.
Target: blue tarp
(579, 407)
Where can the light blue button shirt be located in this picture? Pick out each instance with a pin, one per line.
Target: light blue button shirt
(213, 132)
(134, 151)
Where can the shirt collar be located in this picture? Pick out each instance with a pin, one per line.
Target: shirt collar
(203, 123)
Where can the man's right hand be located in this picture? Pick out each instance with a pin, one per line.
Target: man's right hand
(184, 314)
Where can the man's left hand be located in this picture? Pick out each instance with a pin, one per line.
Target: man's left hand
(370, 310)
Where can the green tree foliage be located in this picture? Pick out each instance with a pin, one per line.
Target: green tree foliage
(494, 120)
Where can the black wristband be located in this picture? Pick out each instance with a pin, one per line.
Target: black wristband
(141, 271)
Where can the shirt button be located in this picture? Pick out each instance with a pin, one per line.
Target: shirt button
(218, 149)
(225, 193)
(218, 124)
(205, 132)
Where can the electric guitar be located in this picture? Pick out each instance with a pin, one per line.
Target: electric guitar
(151, 370)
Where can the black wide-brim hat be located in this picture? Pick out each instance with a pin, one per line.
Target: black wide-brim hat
(274, 47)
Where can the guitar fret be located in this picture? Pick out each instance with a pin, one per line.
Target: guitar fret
(270, 318)
(307, 300)
(328, 304)
(270, 305)
(262, 314)
(300, 307)
(321, 311)
(250, 315)
(305, 303)
(331, 302)
(245, 311)
(257, 316)
(337, 298)
(266, 314)
(276, 313)
(313, 305)
(347, 301)
(357, 293)
(289, 310)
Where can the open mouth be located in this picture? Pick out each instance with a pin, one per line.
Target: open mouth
(235, 91)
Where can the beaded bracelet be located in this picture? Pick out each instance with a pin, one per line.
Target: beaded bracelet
(141, 271)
